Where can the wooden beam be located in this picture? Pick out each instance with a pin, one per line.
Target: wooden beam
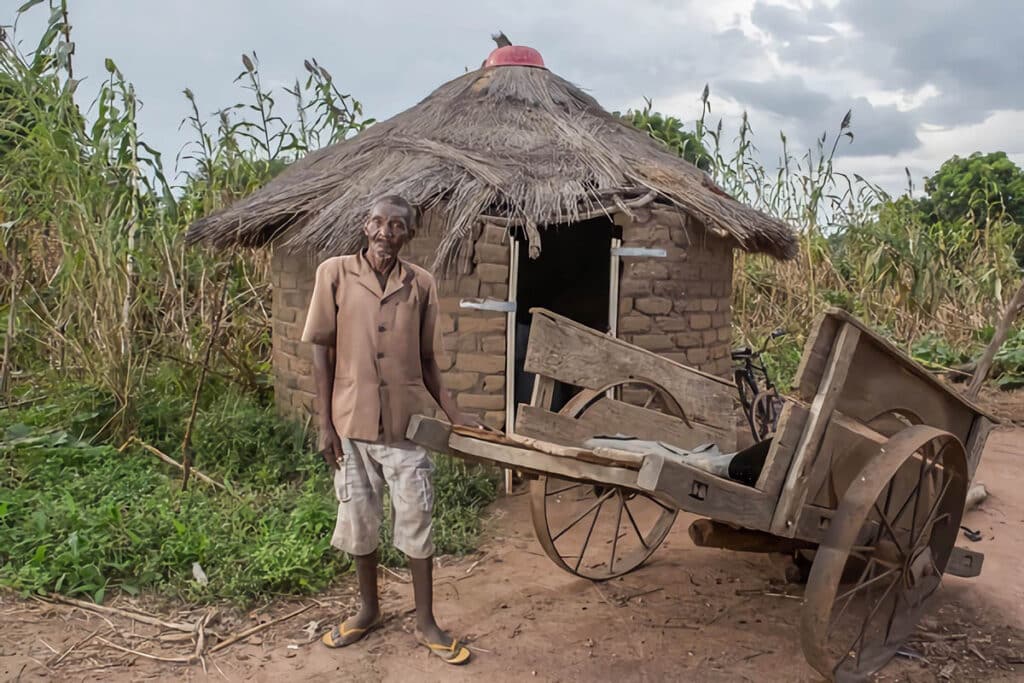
(1002, 331)
(431, 433)
(598, 456)
(543, 392)
(543, 424)
(529, 460)
(510, 349)
(694, 490)
(975, 445)
(709, 533)
(964, 563)
(794, 491)
(784, 443)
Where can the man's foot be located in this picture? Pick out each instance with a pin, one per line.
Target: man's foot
(441, 644)
(352, 629)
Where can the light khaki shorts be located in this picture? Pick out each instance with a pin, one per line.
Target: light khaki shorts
(359, 485)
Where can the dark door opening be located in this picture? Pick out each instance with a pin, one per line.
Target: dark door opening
(572, 277)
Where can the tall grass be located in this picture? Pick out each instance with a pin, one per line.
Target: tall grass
(860, 249)
(100, 280)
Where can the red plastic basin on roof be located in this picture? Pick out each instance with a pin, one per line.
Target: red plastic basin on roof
(515, 55)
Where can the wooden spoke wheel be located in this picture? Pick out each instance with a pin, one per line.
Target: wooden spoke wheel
(884, 554)
(599, 531)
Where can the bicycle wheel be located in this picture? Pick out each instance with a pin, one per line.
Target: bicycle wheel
(748, 391)
(764, 413)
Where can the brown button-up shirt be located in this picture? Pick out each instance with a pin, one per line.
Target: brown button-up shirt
(382, 339)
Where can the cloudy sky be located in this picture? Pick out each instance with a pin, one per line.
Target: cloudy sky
(925, 78)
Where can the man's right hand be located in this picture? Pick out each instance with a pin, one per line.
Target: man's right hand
(330, 447)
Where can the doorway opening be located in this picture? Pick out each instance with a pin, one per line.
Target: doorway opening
(573, 278)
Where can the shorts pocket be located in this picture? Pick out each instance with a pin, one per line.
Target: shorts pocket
(425, 484)
(342, 485)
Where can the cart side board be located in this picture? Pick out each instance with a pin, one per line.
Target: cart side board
(569, 352)
(849, 370)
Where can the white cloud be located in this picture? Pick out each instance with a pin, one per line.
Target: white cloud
(903, 66)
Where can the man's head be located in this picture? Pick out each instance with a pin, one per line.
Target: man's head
(392, 222)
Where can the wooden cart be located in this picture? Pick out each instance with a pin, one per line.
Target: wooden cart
(864, 480)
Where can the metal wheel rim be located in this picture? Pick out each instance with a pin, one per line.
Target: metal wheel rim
(764, 415)
(909, 582)
(543, 488)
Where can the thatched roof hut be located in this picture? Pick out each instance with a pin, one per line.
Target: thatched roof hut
(517, 142)
(540, 198)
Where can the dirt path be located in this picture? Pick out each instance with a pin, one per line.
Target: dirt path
(690, 614)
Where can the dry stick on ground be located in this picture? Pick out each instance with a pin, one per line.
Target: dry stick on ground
(171, 461)
(128, 614)
(186, 452)
(256, 629)
(158, 658)
(54, 661)
(1000, 335)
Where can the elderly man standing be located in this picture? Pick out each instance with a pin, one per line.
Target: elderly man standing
(373, 323)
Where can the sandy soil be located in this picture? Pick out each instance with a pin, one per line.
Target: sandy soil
(690, 614)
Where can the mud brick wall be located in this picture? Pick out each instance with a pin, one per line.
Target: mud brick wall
(679, 306)
(473, 353)
(474, 340)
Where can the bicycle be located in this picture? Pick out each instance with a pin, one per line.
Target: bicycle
(761, 406)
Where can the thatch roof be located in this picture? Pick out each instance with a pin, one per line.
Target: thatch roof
(516, 142)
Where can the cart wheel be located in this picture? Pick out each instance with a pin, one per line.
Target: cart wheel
(892, 535)
(599, 531)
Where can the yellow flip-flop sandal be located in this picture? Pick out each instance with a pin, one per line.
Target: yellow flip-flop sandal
(342, 635)
(456, 653)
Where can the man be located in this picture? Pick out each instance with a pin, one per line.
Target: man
(373, 323)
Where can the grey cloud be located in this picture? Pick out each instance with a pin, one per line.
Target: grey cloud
(877, 130)
(973, 53)
(788, 97)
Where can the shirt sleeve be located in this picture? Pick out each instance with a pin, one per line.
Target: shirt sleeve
(430, 329)
(322, 317)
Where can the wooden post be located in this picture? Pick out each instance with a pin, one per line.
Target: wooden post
(1001, 333)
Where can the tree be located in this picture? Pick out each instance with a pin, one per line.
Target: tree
(975, 188)
(669, 130)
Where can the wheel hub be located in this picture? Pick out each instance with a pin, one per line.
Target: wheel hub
(919, 567)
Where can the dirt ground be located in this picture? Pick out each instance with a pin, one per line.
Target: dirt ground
(690, 614)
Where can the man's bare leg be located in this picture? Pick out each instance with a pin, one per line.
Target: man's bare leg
(423, 588)
(366, 572)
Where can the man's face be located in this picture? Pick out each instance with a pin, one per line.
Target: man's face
(388, 229)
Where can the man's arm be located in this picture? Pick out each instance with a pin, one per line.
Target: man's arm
(435, 385)
(323, 374)
(321, 331)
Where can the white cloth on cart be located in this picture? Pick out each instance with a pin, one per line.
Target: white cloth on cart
(705, 456)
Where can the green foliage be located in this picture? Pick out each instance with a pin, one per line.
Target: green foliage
(974, 187)
(935, 351)
(669, 130)
(1008, 365)
(85, 519)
